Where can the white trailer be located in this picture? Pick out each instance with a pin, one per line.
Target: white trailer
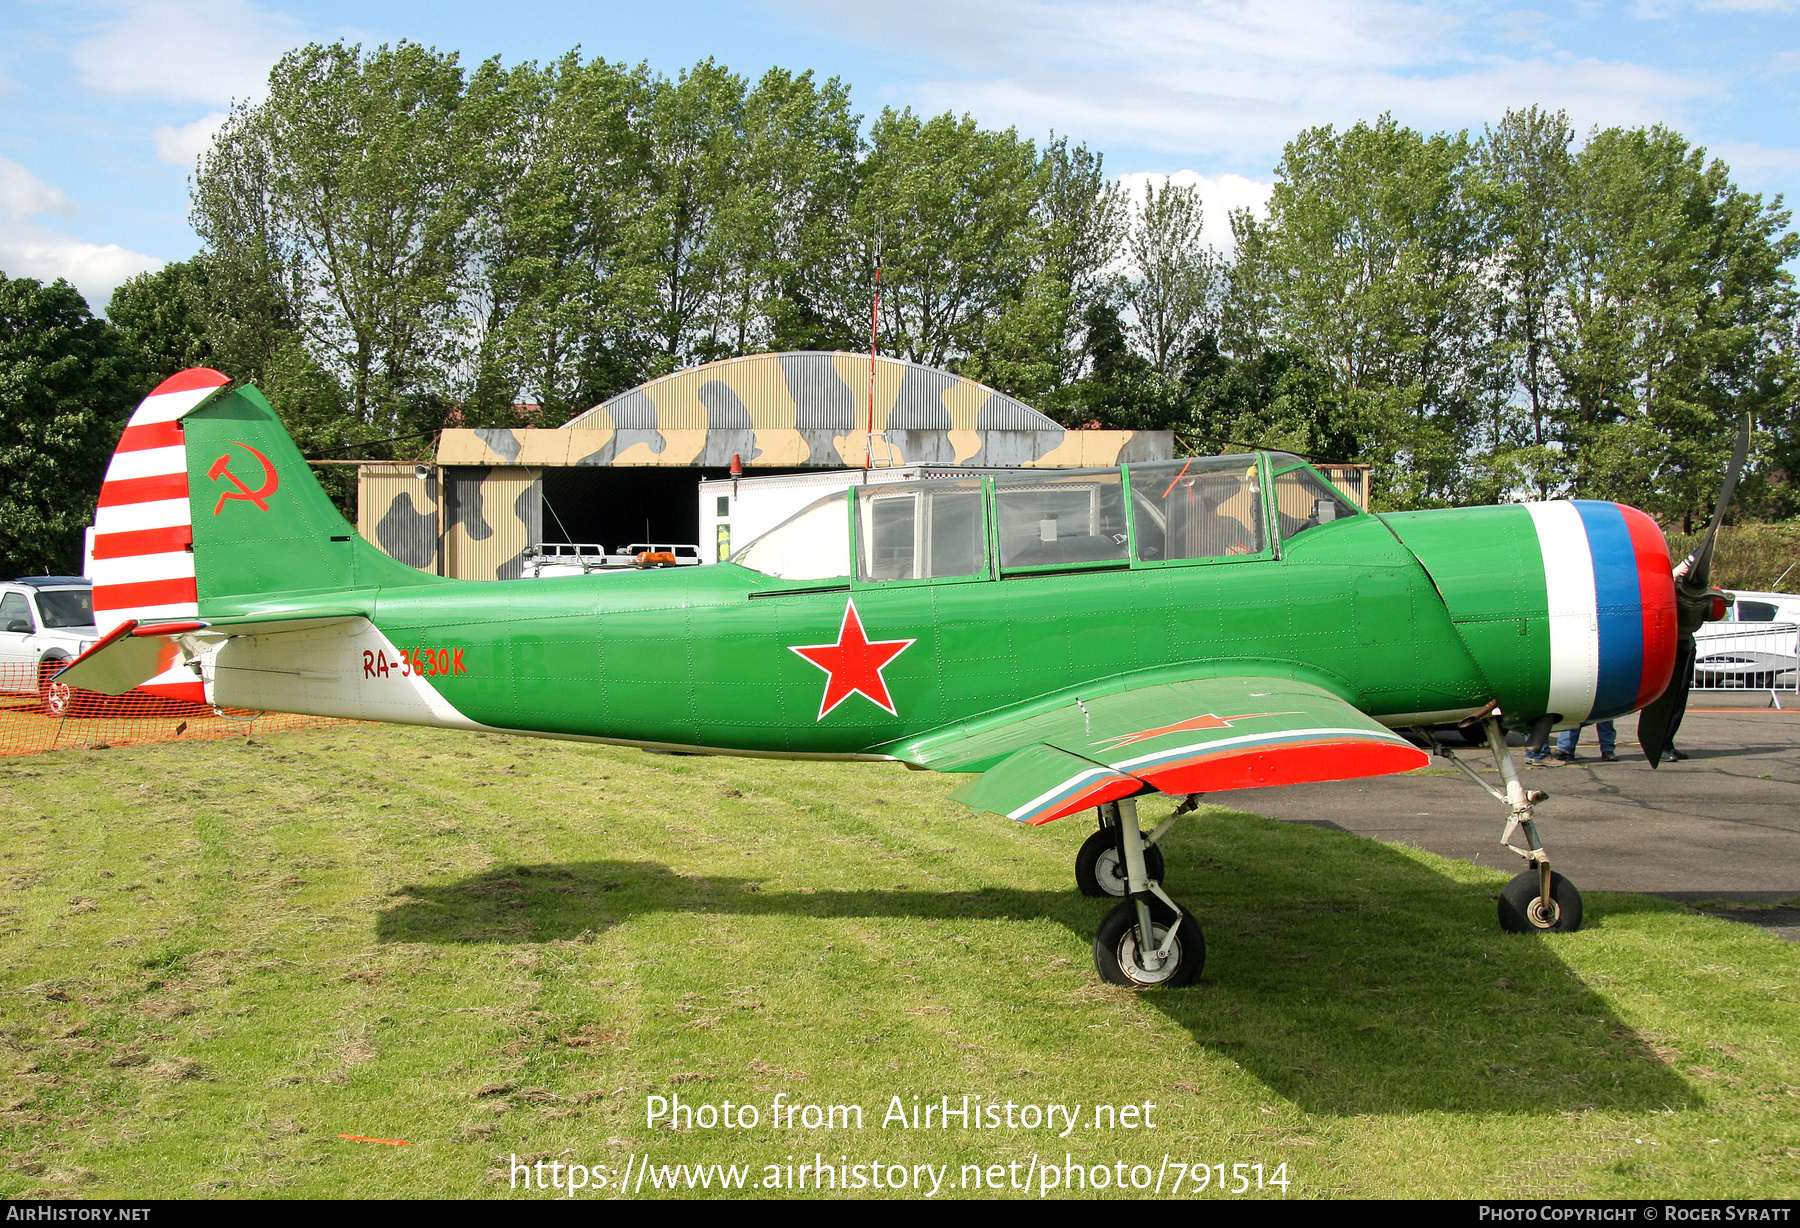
(736, 511)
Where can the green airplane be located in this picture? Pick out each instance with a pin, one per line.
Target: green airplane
(1072, 640)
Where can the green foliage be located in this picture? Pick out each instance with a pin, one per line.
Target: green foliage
(947, 212)
(165, 318)
(350, 190)
(1762, 558)
(1514, 314)
(67, 383)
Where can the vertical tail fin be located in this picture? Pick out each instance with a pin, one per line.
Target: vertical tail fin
(209, 509)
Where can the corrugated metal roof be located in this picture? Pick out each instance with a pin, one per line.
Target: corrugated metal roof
(821, 394)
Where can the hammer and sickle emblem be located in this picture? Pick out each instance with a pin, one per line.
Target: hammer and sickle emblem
(222, 468)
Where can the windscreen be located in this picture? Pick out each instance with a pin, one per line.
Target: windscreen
(1197, 509)
(66, 607)
(1305, 502)
(812, 544)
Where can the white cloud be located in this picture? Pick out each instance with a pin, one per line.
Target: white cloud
(183, 146)
(28, 249)
(206, 51)
(1219, 196)
(1238, 77)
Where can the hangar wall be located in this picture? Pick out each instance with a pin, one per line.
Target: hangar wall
(768, 412)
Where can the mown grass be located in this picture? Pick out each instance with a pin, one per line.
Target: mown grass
(219, 957)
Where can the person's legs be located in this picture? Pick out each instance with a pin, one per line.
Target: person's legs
(1565, 743)
(1609, 739)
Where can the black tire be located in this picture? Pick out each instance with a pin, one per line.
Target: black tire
(1100, 867)
(1116, 946)
(1521, 909)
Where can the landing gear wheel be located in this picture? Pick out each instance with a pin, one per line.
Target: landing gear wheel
(54, 696)
(1522, 906)
(1100, 869)
(1119, 961)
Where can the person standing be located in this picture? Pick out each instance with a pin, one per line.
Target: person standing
(1563, 750)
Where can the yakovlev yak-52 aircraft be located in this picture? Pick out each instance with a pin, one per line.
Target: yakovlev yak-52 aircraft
(1071, 639)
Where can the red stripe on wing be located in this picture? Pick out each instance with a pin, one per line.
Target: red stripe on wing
(143, 541)
(1291, 763)
(1097, 794)
(143, 490)
(145, 593)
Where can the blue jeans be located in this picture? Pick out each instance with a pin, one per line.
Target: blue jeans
(1609, 738)
(1566, 740)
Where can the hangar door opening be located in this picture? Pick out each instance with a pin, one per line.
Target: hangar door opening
(615, 507)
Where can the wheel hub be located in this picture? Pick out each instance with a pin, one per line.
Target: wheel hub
(1109, 872)
(1543, 918)
(1132, 965)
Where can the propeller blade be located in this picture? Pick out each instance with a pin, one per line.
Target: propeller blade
(1660, 719)
(1699, 574)
(1658, 722)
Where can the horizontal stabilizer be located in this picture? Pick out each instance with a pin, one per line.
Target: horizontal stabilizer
(134, 652)
(123, 659)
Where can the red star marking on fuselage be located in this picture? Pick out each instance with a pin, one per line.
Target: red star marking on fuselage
(853, 664)
(1209, 721)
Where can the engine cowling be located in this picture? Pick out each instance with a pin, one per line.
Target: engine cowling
(1568, 606)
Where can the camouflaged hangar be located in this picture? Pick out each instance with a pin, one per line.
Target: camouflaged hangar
(628, 469)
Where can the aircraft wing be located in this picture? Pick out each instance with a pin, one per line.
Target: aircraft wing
(1200, 736)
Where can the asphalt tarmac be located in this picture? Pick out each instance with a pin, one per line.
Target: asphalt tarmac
(1721, 825)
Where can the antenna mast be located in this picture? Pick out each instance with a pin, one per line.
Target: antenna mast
(874, 326)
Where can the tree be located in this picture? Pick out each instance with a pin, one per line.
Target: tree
(784, 218)
(1373, 258)
(559, 290)
(163, 316)
(1084, 218)
(1525, 164)
(1173, 292)
(1677, 316)
(694, 127)
(947, 211)
(349, 193)
(67, 384)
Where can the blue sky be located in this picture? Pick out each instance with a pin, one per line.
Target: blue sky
(103, 103)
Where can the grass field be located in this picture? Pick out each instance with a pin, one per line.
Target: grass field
(221, 957)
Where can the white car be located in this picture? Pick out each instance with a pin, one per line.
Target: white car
(45, 622)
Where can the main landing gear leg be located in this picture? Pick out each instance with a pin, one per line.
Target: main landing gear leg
(1149, 939)
(1539, 900)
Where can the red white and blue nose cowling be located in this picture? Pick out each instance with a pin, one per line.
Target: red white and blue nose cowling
(1611, 602)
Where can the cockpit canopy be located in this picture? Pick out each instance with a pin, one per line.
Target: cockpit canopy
(1210, 508)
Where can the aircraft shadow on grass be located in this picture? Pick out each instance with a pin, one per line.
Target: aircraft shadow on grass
(1445, 1014)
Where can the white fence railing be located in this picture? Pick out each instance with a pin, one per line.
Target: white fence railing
(1748, 657)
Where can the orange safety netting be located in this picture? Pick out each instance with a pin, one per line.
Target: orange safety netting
(39, 714)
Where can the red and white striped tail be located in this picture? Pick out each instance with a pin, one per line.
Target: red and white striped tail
(142, 530)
